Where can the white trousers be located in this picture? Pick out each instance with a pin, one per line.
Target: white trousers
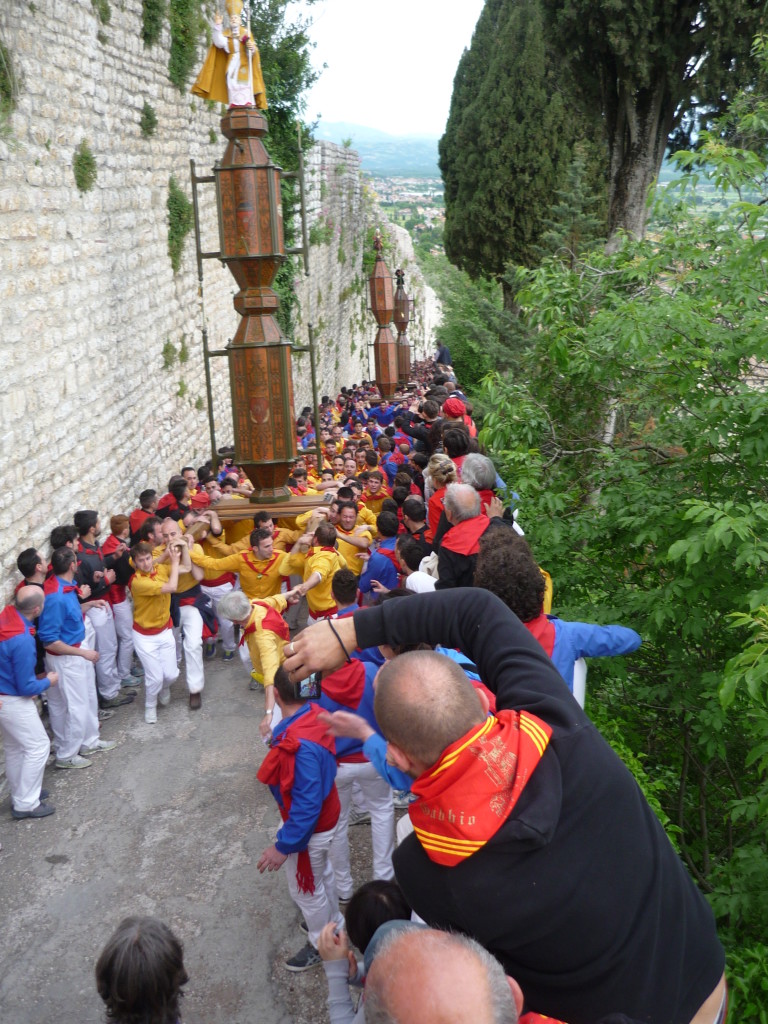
(72, 707)
(376, 797)
(192, 643)
(321, 906)
(27, 747)
(226, 626)
(107, 679)
(157, 654)
(123, 613)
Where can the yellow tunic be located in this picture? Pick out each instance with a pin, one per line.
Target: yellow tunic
(259, 578)
(326, 562)
(151, 608)
(264, 646)
(350, 552)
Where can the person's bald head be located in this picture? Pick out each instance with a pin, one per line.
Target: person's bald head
(438, 978)
(424, 703)
(461, 502)
(29, 601)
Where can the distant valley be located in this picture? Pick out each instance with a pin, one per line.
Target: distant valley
(385, 155)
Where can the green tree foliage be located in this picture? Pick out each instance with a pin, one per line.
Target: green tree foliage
(635, 430)
(653, 67)
(507, 143)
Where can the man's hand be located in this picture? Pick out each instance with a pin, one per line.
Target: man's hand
(495, 508)
(344, 723)
(333, 944)
(271, 860)
(89, 655)
(85, 591)
(109, 576)
(317, 648)
(52, 677)
(174, 554)
(379, 588)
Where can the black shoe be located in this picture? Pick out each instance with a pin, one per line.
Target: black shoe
(44, 794)
(41, 811)
(195, 701)
(116, 702)
(302, 961)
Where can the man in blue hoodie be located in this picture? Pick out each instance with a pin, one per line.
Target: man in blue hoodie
(300, 770)
(25, 741)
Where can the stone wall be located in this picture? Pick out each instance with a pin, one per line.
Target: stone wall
(102, 387)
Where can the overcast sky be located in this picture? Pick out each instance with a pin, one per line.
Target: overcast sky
(390, 64)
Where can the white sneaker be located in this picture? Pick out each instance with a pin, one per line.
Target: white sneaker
(150, 716)
(73, 762)
(164, 699)
(98, 747)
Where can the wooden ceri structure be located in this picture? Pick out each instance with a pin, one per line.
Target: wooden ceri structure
(252, 246)
(403, 308)
(383, 308)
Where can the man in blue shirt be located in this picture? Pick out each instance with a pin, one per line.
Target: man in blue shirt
(72, 705)
(300, 770)
(25, 741)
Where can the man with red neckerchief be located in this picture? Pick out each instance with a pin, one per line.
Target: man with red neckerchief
(264, 635)
(460, 545)
(258, 568)
(316, 560)
(151, 587)
(375, 492)
(300, 770)
(556, 864)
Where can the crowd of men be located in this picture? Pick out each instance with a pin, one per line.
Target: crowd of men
(430, 668)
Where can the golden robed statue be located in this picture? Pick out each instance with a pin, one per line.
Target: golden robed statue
(231, 73)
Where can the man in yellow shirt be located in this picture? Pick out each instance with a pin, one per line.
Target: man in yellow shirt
(192, 606)
(265, 632)
(315, 559)
(353, 541)
(151, 588)
(258, 568)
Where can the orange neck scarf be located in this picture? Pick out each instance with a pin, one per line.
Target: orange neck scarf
(466, 797)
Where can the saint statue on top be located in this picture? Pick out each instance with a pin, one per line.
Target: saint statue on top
(231, 73)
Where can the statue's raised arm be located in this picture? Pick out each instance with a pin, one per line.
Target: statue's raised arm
(231, 73)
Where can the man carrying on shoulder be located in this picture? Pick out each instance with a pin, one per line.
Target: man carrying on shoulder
(25, 741)
(151, 588)
(195, 613)
(315, 559)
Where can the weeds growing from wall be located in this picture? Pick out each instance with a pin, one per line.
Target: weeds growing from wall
(179, 221)
(152, 17)
(84, 167)
(148, 120)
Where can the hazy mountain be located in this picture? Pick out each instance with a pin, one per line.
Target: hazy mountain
(383, 154)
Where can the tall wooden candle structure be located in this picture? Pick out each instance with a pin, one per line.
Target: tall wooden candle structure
(403, 308)
(252, 246)
(383, 308)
